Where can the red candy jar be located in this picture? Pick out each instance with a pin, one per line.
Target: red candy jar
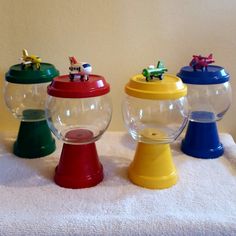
(78, 112)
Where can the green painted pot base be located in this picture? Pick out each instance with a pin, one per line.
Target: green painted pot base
(34, 140)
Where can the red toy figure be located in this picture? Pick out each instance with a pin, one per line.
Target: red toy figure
(200, 62)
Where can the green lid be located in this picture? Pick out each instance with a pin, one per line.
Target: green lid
(30, 75)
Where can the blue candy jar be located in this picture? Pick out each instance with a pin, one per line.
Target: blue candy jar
(209, 98)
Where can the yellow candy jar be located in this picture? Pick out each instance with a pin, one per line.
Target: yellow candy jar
(155, 113)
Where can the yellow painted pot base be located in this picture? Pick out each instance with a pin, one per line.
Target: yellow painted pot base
(153, 166)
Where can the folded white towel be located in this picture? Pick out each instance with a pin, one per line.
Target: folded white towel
(203, 202)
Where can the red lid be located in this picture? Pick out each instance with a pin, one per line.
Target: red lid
(63, 87)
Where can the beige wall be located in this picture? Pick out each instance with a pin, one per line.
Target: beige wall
(118, 38)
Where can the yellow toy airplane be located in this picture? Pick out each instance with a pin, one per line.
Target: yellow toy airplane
(30, 60)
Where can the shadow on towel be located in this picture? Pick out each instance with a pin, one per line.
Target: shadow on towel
(20, 172)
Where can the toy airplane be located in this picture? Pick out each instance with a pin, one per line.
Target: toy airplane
(200, 62)
(80, 70)
(30, 60)
(154, 72)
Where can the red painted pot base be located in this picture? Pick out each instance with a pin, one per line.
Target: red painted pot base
(79, 167)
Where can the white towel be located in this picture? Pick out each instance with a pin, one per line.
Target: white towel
(203, 202)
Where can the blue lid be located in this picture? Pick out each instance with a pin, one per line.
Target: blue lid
(210, 75)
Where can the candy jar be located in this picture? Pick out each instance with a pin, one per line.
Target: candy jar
(155, 113)
(209, 98)
(78, 112)
(25, 95)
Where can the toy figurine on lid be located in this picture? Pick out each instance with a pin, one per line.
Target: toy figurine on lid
(154, 72)
(201, 63)
(30, 60)
(80, 70)
(25, 95)
(209, 98)
(78, 113)
(155, 113)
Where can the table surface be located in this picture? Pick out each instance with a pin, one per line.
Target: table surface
(203, 202)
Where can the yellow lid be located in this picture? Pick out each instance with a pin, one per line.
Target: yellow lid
(170, 87)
